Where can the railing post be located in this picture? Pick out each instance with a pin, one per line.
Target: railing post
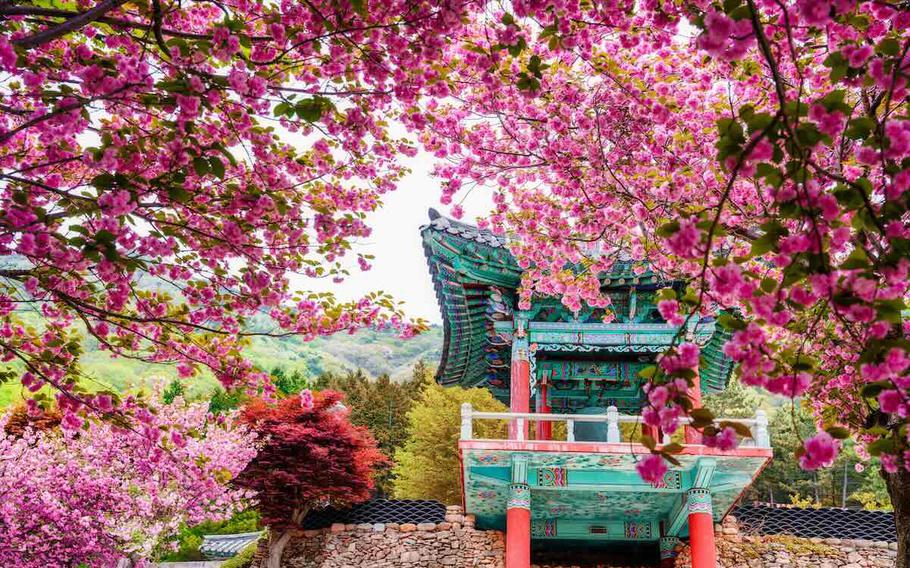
(520, 434)
(570, 430)
(762, 439)
(613, 425)
(467, 427)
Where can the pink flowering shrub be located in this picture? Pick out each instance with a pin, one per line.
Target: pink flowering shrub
(97, 494)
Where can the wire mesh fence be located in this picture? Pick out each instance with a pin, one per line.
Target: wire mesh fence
(823, 522)
(379, 511)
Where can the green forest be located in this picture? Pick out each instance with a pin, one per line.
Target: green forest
(375, 352)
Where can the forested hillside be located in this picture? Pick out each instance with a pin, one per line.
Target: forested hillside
(375, 352)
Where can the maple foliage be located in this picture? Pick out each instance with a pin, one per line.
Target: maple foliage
(312, 457)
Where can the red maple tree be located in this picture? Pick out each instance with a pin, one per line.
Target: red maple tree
(312, 458)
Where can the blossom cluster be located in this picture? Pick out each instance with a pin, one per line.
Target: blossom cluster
(104, 492)
(759, 151)
(158, 190)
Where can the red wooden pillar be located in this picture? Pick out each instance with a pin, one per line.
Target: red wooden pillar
(693, 436)
(518, 526)
(544, 428)
(701, 528)
(519, 388)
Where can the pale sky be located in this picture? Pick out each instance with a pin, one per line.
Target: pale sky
(400, 267)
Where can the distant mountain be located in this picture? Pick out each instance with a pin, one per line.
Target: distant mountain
(375, 352)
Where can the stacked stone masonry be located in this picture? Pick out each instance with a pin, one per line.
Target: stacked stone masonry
(454, 543)
(781, 551)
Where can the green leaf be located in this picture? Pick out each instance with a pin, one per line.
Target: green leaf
(838, 432)
(872, 390)
(527, 82)
(882, 446)
(282, 109)
(728, 321)
(741, 13)
(857, 260)
(216, 166)
(890, 310)
(848, 197)
(648, 442)
(648, 372)
(668, 229)
(200, 165)
(859, 128)
(312, 109)
(701, 417)
(673, 448)
(808, 134)
(888, 46)
(666, 294)
(768, 285)
(741, 429)
(178, 194)
(731, 129)
(516, 49)
(360, 7)
(535, 67)
(103, 181)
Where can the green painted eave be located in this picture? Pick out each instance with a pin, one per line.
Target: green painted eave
(470, 265)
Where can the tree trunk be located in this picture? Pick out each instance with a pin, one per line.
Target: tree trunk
(278, 539)
(277, 542)
(899, 490)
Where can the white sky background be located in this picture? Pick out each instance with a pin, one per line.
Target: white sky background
(400, 267)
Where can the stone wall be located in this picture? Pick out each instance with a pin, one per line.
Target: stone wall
(454, 543)
(736, 550)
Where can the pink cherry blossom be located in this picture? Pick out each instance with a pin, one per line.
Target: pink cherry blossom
(819, 451)
(652, 468)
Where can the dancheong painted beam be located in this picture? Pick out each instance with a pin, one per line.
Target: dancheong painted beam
(580, 374)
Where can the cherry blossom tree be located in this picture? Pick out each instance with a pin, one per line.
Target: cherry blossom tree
(759, 150)
(167, 167)
(92, 496)
(312, 458)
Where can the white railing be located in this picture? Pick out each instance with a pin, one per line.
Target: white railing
(757, 425)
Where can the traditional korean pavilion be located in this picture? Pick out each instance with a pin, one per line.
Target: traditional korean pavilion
(574, 373)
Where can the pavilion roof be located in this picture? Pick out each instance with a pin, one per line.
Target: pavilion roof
(475, 277)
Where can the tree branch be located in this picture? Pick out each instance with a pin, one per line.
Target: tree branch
(69, 25)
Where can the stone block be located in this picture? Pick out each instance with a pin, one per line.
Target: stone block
(337, 528)
(427, 527)
(410, 557)
(408, 527)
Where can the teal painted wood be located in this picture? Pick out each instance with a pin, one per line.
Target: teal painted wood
(598, 496)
